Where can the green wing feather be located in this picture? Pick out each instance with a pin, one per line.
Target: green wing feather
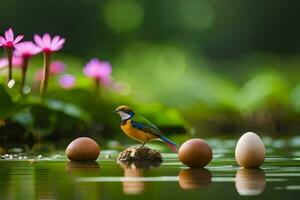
(145, 125)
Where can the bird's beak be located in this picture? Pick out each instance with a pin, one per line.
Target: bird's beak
(115, 111)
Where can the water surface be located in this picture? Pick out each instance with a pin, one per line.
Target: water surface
(54, 177)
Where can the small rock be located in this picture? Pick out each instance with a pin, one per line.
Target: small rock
(139, 157)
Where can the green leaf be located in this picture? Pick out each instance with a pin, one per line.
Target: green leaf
(6, 103)
(68, 109)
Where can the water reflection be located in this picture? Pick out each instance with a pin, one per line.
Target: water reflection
(140, 164)
(134, 169)
(133, 187)
(250, 182)
(89, 169)
(76, 166)
(190, 179)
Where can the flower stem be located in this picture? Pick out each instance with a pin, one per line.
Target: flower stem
(9, 51)
(97, 85)
(44, 83)
(24, 70)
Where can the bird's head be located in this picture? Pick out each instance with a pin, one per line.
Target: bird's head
(125, 112)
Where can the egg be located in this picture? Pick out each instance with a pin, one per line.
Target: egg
(250, 151)
(83, 149)
(195, 153)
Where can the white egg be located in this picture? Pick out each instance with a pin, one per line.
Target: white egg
(250, 151)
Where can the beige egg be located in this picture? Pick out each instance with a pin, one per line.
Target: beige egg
(250, 151)
(83, 149)
(195, 153)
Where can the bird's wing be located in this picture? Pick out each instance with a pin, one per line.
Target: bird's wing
(143, 124)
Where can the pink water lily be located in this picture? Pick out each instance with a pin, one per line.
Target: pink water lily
(8, 42)
(99, 70)
(67, 81)
(48, 45)
(57, 67)
(26, 50)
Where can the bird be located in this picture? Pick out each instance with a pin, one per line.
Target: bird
(140, 129)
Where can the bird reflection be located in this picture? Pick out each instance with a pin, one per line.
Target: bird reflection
(76, 166)
(134, 169)
(190, 179)
(250, 182)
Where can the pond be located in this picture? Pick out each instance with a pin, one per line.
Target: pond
(54, 177)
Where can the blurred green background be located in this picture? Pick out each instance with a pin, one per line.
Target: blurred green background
(201, 66)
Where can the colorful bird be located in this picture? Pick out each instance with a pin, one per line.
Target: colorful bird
(140, 129)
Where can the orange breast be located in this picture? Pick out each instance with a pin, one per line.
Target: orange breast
(136, 134)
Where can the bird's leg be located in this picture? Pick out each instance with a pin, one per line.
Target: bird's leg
(142, 145)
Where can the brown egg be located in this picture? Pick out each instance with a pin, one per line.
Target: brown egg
(83, 149)
(250, 151)
(195, 153)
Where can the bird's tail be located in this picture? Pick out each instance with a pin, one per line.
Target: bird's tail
(170, 144)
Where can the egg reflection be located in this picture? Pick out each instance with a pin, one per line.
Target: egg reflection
(133, 187)
(250, 182)
(190, 179)
(77, 166)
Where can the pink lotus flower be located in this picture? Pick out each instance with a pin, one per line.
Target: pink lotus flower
(9, 41)
(47, 44)
(67, 81)
(57, 67)
(97, 69)
(27, 49)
